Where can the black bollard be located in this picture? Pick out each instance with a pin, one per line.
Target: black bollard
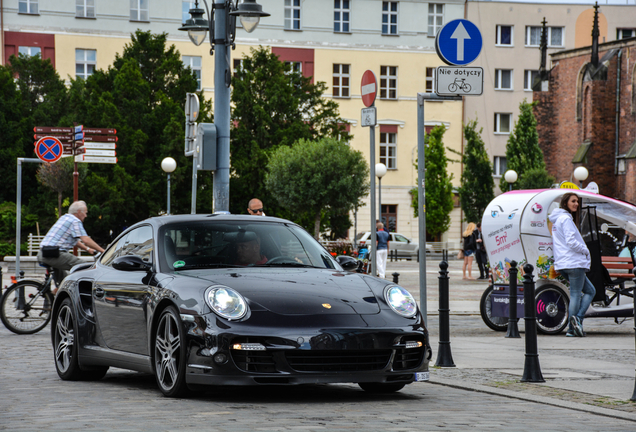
(531, 369)
(444, 356)
(513, 329)
(396, 277)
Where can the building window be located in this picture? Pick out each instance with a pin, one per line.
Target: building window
(292, 14)
(139, 10)
(185, 10)
(295, 66)
(503, 79)
(430, 80)
(28, 6)
(499, 166)
(505, 35)
(502, 123)
(388, 149)
(341, 80)
(435, 18)
(341, 14)
(389, 18)
(194, 63)
(625, 33)
(30, 51)
(85, 8)
(555, 36)
(388, 82)
(389, 219)
(528, 79)
(85, 63)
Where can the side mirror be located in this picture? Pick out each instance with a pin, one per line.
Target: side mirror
(131, 263)
(346, 262)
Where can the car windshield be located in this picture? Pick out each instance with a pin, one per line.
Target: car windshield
(223, 244)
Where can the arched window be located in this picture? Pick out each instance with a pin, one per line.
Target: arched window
(579, 92)
(587, 112)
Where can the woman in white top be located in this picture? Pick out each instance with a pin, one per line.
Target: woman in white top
(572, 260)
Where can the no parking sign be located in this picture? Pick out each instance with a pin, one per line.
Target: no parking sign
(49, 149)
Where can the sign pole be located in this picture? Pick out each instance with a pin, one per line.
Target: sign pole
(368, 91)
(421, 208)
(18, 213)
(372, 249)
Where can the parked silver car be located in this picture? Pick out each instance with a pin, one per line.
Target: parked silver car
(405, 247)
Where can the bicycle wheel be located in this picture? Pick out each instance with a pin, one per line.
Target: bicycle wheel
(552, 309)
(24, 309)
(453, 88)
(485, 308)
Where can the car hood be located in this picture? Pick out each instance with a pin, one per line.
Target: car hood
(299, 291)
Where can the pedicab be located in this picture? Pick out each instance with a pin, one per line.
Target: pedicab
(515, 227)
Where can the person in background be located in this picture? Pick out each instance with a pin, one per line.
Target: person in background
(255, 207)
(470, 246)
(572, 260)
(382, 250)
(57, 246)
(480, 254)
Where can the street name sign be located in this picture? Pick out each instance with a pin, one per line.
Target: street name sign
(368, 88)
(49, 149)
(95, 159)
(101, 146)
(93, 152)
(369, 116)
(462, 81)
(459, 42)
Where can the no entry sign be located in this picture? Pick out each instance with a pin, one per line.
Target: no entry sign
(49, 149)
(369, 88)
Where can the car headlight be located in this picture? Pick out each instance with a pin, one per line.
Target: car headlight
(226, 302)
(401, 301)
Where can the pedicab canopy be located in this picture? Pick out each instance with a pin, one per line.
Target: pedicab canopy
(515, 226)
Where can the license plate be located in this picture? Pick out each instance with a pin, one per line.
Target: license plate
(421, 376)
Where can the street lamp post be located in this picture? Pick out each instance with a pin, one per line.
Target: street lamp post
(221, 24)
(510, 176)
(581, 173)
(380, 171)
(168, 165)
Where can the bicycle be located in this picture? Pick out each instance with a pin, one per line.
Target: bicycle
(459, 83)
(26, 305)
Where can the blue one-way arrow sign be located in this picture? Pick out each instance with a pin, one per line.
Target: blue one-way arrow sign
(459, 42)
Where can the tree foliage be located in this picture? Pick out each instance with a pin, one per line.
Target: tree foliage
(317, 177)
(523, 153)
(439, 189)
(273, 107)
(58, 176)
(477, 184)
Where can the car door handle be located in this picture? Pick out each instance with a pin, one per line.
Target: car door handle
(99, 293)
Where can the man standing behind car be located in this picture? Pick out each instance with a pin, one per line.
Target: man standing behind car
(66, 233)
(382, 249)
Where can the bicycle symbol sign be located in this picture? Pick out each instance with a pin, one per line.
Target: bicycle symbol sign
(459, 81)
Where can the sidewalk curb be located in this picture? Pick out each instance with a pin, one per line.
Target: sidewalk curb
(532, 398)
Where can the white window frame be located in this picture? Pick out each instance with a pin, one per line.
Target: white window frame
(498, 117)
(29, 51)
(430, 80)
(435, 11)
(499, 73)
(138, 12)
(528, 78)
(85, 8)
(498, 36)
(28, 7)
(85, 62)
(386, 78)
(293, 22)
(342, 16)
(388, 142)
(497, 170)
(296, 66)
(620, 33)
(392, 28)
(550, 45)
(191, 61)
(341, 74)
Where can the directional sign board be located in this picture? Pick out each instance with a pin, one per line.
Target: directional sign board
(462, 81)
(459, 42)
(369, 116)
(95, 159)
(369, 88)
(49, 149)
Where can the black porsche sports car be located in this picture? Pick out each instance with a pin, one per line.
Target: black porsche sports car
(239, 300)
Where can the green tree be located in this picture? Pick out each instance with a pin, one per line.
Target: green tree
(58, 176)
(524, 155)
(314, 177)
(477, 184)
(273, 107)
(439, 189)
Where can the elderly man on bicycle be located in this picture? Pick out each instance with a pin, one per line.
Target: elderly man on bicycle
(63, 236)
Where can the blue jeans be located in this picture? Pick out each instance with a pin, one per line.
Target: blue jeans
(581, 292)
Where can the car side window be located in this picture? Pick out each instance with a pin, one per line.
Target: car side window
(113, 252)
(139, 242)
(400, 238)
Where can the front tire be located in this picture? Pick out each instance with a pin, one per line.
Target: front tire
(381, 387)
(25, 309)
(170, 354)
(485, 308)
(552, 309)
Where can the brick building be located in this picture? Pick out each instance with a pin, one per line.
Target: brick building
(587, 116)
